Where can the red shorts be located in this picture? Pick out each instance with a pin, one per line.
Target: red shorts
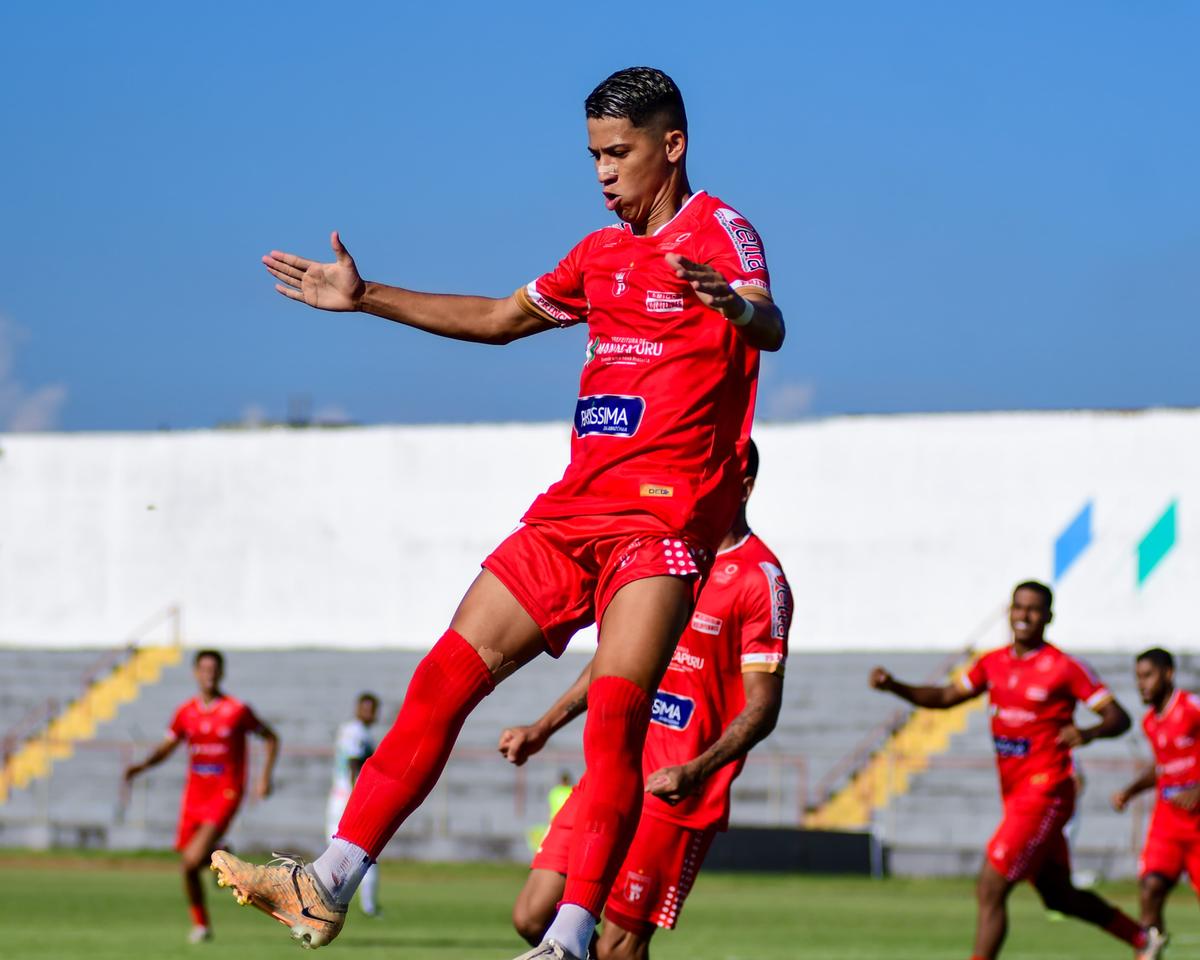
(1170, 849)
(655, 878)
(564, 573)
(1031, 833)
(215, 806)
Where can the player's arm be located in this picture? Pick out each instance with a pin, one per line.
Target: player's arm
(764, 696)
(518, 744)
(1114, 721)
(157, 756)
(758, 320)
(1144, 781)
(931, 697)
(265, 783)
(337, 286)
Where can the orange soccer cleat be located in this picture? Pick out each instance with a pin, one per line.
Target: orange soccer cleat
(288, 890)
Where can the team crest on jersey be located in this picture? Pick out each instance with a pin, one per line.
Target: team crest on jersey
(745, 239)
(608, 415)
(621, 281)
(672, 710)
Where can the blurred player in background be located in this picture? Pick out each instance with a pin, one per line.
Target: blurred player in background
(1034, 688)
(1172, 725)
(215, 727)
(720, 696)
(678, 305)
(355, 743)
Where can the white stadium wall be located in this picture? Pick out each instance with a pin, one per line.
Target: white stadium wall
(896, 532)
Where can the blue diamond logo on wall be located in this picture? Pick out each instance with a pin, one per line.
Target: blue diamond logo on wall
(1071, 543)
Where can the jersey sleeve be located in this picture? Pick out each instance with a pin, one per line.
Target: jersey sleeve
(765, 622)
(975, 678)
(1086, 686)
(736, 251)
(558, 296)
(177, 730)
(250, 721)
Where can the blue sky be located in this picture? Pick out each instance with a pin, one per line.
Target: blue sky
(965, 205)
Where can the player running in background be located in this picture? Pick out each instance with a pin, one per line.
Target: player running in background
(215, 727)
(720, 696)
(1172, 725)
(1034, 688)
(355, 743)
(678, 305)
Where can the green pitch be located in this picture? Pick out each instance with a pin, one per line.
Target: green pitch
(69, 907)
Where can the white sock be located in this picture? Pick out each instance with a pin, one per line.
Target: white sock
(572, 928)
(341, 869)
(369, 890)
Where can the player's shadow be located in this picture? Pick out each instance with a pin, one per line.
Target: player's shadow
(433, 943)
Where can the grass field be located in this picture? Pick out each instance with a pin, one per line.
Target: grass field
(67, 906)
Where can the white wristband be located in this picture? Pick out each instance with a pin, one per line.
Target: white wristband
(746, 315)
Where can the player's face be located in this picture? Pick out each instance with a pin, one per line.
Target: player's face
(1028, 616)
(1152, 681)
(366, 711)
(633, 164)
(208, 675)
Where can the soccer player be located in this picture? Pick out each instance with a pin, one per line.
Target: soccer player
(214, 725)
(720, 696)
(1034, 688)
(678, 305)
(1172, 725)
(355, 743)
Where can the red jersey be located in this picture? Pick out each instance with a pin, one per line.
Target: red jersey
(1032, 698)
(216, 739)
(740, 625)
(666, 396)
(1174, 736)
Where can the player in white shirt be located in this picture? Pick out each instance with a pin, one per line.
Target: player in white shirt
(355, 743)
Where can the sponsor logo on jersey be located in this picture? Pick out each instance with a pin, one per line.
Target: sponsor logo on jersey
(1014, 716)
(208, 769)
(608, 415)
(1178, 765)
(745, 239)
(662, 301)
(684, 659)
(1010, 747)
(1175, 789)
(771, 660)
(781, 600)
(625, 350)
(547, 306)
(703, 623)
(1040, 694)
(672, 710)
(657, 490)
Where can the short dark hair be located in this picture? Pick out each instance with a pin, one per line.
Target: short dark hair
(369, 698)
(215, 654)
(752, 461)
(1038, 587)
(639, 95)
(1159, 657)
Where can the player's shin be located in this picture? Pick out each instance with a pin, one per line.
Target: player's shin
(447, 685)
(618, 715)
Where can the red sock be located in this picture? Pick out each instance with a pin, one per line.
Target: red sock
(1126, 928)
(446, 686)
(617, 717)
(199, 914)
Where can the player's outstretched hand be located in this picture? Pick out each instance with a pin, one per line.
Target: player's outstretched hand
(1188, 799)
(263, 789)
(879, 679)
(1120, 800)
(518, 744)
(326, 286)
(1071, 736)
(132, 771)
(712, 288)
(672, 784)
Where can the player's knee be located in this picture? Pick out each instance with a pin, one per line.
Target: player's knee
(530, 921)
(191, 862)
(1152, 886)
